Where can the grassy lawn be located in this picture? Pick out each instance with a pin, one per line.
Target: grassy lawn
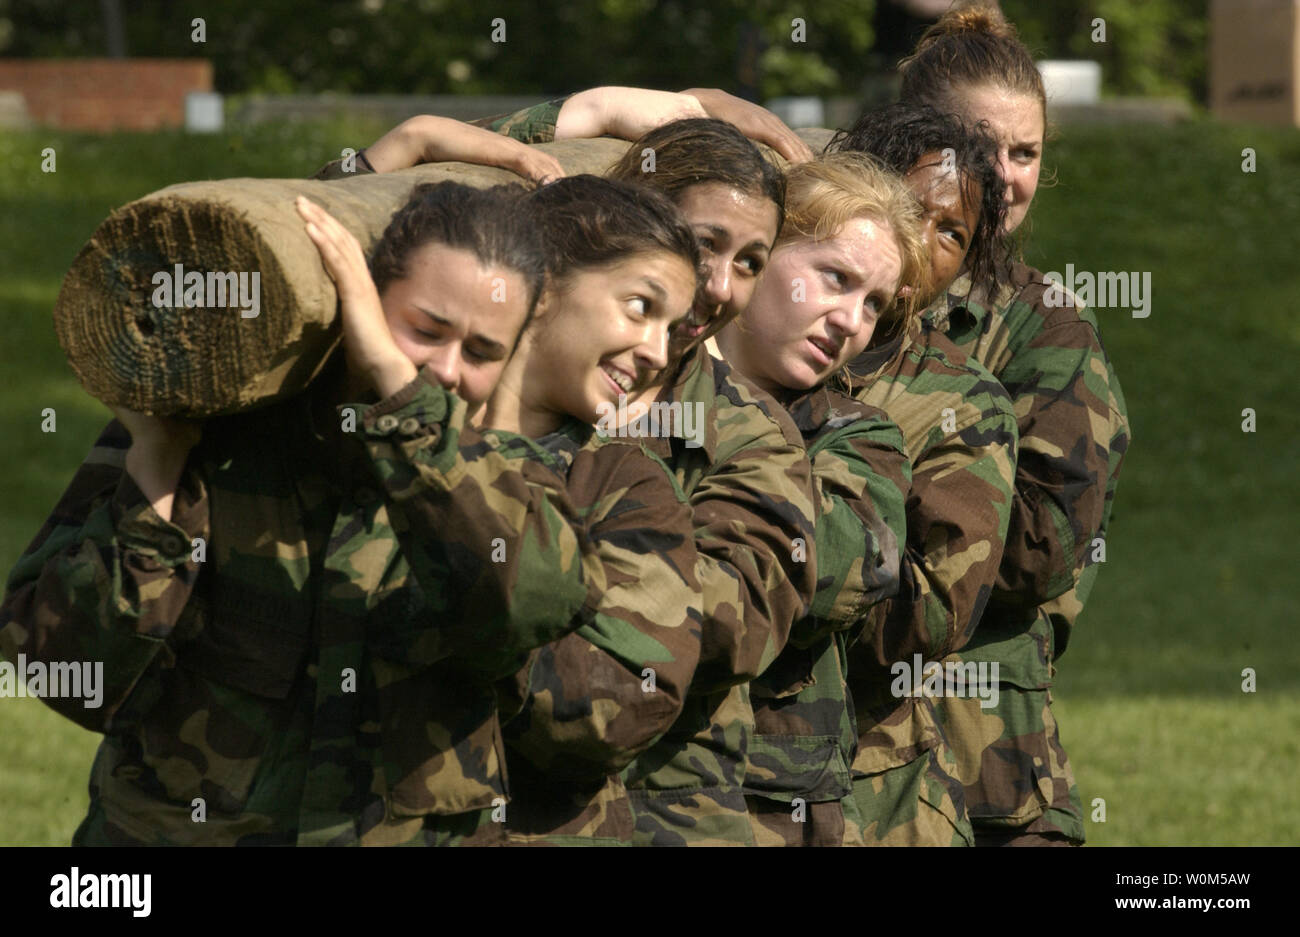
(1198, 583)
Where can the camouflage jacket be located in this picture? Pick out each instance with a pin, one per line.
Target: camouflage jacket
(535, 124)
(593, 700)
(749, 485)
(320, 667)
(806, 737)
(1074, 434)
(960, 435)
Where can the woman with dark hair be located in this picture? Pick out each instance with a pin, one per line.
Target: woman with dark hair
(620, 272)
(1044, 346)
(950, 169)
(747, 479)
(729, 193)
(230, 576)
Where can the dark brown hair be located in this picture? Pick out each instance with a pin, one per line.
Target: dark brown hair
(698, 150)
(587, 221)
(973, 44)
(900, 134)
(484, 222)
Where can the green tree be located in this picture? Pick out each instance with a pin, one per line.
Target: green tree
(1156, 47)
(446, 46)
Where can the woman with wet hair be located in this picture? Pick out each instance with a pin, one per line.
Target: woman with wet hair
(1044, 346)
(950, 169)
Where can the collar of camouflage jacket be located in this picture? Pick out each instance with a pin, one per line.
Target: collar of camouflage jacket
(695, 382)
(956, 304)
(869, 365)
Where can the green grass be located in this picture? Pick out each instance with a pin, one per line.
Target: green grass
(1199, 581)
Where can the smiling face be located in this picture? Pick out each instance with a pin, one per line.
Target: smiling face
(815, 307)
(604, 331)
(1016, 121)
(447, 313)
(735, 232)
(950, 215)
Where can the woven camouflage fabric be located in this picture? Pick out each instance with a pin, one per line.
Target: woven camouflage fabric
(960, 435)
(749, 485)
(798, 781)
(319, 666)
(1045, 348)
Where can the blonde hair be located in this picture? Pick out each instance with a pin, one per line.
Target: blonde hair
(824, 194)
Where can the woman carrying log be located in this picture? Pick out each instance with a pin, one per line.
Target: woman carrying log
(228, 577)
(850, 245)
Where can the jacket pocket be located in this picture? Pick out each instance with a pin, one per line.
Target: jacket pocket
(201, 739)
(443, 752)
(783, 767)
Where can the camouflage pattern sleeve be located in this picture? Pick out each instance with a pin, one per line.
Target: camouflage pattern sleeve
(345, 168)
(1056, 373)
(105, 580)
(961, 437)
(534, 124)
(862, 475)
(604, 693)
(497, 523)
(756, 534)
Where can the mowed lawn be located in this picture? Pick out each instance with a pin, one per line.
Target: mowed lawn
(1200, 580)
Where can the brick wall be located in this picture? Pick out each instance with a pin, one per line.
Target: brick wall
(106, 94)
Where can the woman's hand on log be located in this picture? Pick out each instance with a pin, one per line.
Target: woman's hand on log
(755, 122)
(159, 447)
(626, 113)
(367, 340)
(429, 139)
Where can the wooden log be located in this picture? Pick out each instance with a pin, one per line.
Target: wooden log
(179, 358)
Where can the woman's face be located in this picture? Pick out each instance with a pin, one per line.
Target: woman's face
(603, 332)
(815, 307)
(1016, 121)
(735, 231)
(950, 214)
(457, 317)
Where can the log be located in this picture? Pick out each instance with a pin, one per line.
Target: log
(197, 361)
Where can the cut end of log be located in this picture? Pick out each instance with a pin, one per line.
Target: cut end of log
(177, 306)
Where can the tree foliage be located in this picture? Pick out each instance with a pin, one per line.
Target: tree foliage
(1156, 47)
(445, 46)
